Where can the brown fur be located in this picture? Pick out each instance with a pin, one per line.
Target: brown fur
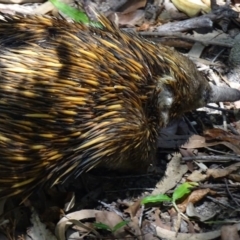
(74, 97)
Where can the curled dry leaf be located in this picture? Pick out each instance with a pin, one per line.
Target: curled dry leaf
(170, 235)
(191, 212)
(220, 173)
(67, 221)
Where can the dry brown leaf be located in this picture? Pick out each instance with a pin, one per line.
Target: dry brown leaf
(188, 153)
(194, 197)
(159, 222)
(217, 173)
(134, 208)
(197, 195)
(131, 19)
(237, 125)
(220, 134)
(170, 235)
(131, 6)
(229, 233)
(148, 230)
(234, 177)
(233, 147)
(144, 27)
(173, 174)
(220, 173)
(135, 228)
(197, 176)
(67, 221)
(197, 141)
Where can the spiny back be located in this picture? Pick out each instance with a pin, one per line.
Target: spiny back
(74, 97)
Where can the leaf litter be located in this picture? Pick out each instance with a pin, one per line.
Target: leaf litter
(207, 154)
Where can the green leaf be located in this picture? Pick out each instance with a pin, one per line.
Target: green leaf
(74, 14)
(183, 190)
(102, 226)
(156, 198)
(71, 12)
(120, 225)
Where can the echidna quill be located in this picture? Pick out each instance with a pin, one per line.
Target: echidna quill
(74, 97)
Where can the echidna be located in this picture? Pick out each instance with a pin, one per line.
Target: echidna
(74, 97)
